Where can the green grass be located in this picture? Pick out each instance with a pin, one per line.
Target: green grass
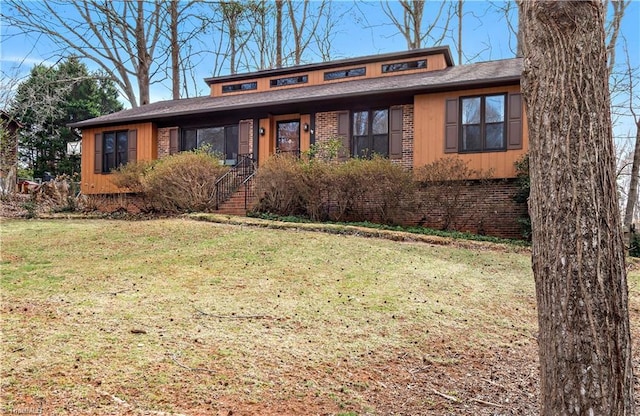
(237, 314)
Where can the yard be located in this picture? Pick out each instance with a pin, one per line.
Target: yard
(176, 316)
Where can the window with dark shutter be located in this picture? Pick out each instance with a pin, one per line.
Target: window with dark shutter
(243, 138)
(97, 167)
(174, 141)
(479, 123)
(370, 131)
(343, 133)
(133, 146)
(114, 150)
(451, 126)
(514, 133)
(395, 133)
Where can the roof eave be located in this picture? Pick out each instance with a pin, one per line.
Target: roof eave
(422, 89)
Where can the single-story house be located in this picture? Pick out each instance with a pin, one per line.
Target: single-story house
(413, 107)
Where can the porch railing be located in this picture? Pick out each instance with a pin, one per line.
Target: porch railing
(234, 178)
(249, 190)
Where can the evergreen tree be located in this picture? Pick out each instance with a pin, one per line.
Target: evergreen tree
(47, 101)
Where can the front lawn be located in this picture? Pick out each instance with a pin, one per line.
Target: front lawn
(189, 317)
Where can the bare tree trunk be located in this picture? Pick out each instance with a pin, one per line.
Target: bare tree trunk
(613, 29)
(519, 53)
(410, 25)
(577, 251)
(460, 4)
(302, 33)
(279, 33)
(632, 196)
(175, 49)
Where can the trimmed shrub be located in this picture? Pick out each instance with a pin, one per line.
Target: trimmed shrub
(131, 175)
(319, 189)
(184, 182)
(279, 186)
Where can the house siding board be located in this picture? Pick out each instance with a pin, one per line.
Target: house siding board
(95, 182)
(429, 124)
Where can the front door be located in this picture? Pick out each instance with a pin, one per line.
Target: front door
(288, 137)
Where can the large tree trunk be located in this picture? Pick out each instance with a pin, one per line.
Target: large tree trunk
(578, 255)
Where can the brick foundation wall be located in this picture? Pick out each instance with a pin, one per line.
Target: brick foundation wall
(483, 208)
(109, 203)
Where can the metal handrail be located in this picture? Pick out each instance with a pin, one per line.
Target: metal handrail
(249, 193)
(228, 183)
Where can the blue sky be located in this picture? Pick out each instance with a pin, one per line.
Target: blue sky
(362, 30)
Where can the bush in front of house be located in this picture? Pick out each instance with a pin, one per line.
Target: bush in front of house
(320, 189)
(442, 185)
(184, 182)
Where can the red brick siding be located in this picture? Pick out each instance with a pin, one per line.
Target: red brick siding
(485, 208)
(407, 136)
(327, 128)
(163, 142)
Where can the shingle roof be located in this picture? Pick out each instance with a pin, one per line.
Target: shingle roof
(444, 50)
(457, 77)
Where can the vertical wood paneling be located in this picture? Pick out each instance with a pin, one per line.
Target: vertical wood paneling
(305, 136)
(264, 146)
(429, 138)
(99, 183)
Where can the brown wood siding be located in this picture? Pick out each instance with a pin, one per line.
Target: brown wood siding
(264, 142)
(100, 183)
(316, 77)
(429, 134)
(305, 136)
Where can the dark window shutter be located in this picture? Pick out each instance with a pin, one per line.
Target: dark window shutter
(451, 126)
(97, 168)
(132, 146)
(395, 133)
(243, 137)
(174, 142)
(343, 133)
(514, 129)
